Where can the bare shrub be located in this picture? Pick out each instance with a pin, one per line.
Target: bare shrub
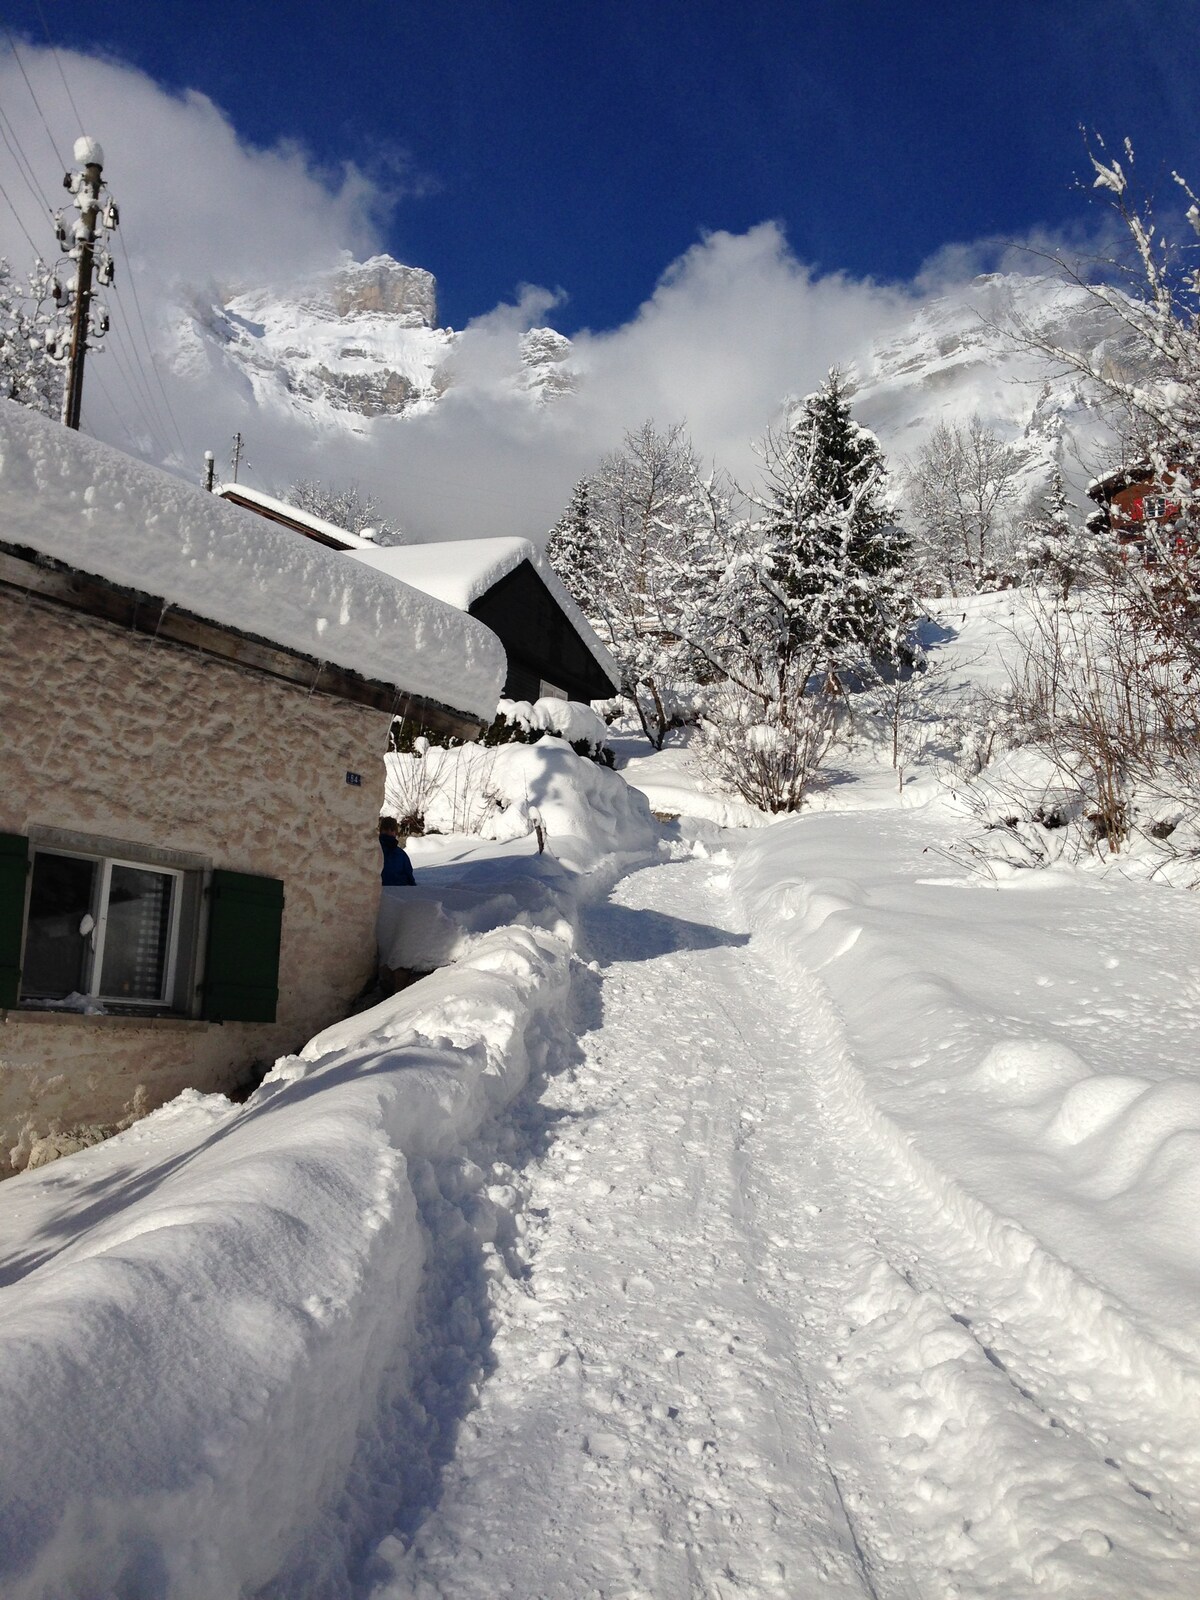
(769, 755)
(412, 784)
(1099, 691)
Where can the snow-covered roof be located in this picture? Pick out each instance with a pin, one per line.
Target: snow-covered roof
(461, 571)
(100, 512)
(305, 521)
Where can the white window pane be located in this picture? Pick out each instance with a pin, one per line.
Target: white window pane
(137, 933)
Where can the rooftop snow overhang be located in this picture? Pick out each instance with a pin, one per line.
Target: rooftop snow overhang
(29, 573)
(103, 516)
(461, 571)
(316, 528)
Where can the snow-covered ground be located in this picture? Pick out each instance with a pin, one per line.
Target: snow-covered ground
(787, 1210)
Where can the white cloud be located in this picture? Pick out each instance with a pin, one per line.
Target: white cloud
(734, 327)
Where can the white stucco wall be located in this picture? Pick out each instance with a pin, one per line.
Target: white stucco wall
(117, 734)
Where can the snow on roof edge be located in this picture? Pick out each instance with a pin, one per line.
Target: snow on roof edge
(284, 508)
(470, 567)
(99, 511)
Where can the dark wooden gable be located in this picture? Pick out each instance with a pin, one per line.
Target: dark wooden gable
(542, 643)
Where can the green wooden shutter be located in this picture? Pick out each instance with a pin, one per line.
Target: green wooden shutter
(241, 970)
(14, 870)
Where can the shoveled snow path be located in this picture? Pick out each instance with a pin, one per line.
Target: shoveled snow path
(663, 1420)
(654, 1424)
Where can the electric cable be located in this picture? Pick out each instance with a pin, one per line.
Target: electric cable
(59, 65)
(33, 96)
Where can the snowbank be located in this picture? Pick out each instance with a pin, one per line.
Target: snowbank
(203, 1319)
(1027, 1043)
(210, 1325)
(87, 505)
(588, 815)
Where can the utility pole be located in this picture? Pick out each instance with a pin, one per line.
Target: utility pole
(210, 467)
(79, 243)
(236, 457)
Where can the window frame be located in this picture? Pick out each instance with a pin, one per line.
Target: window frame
(179, 994)
(227, 936)
(100, 911)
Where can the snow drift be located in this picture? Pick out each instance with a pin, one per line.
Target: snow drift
(208, 1321)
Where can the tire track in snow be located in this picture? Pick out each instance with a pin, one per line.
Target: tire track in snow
(661, 1421)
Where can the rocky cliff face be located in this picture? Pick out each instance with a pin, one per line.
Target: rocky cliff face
(382, 287)
(360, 342)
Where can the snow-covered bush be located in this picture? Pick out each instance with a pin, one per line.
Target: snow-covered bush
(767, 754)
(1115, 711)
(524, 722)
(32, 340)
(545, 791)
(433, 788)
(439, 785)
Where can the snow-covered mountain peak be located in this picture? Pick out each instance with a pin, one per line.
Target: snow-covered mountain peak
(384, 286)
(545, 355)
(360, 341)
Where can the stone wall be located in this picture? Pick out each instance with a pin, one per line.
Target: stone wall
(117, 734)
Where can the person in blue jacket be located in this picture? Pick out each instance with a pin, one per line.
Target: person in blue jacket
(397, 868)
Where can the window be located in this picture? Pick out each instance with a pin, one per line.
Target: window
(90, 924)
(107, 930)
(1154, 507)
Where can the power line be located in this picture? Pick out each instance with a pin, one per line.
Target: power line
(58, 64)
(24, 166)
(149, 347)
(32, 95)
(37, 253)
(115, 410)
(134, 354)
(148, 422)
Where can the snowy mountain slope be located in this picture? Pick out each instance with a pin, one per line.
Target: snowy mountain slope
(363, 342)
(958, 357)
(357, 343)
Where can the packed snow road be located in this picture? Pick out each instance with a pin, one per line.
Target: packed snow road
(739, 1363)
(658, 1423)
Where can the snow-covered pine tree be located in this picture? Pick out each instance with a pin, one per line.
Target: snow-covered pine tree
(1056, 545)
(31, 333)
(827, 542)
(572, 548)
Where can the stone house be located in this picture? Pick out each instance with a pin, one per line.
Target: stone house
(192, 728)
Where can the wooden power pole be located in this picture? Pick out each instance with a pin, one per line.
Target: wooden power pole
(80, 244)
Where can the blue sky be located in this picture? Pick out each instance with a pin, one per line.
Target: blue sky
(585, 146)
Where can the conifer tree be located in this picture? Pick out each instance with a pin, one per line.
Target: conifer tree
(827, 541)
(1057, 547)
